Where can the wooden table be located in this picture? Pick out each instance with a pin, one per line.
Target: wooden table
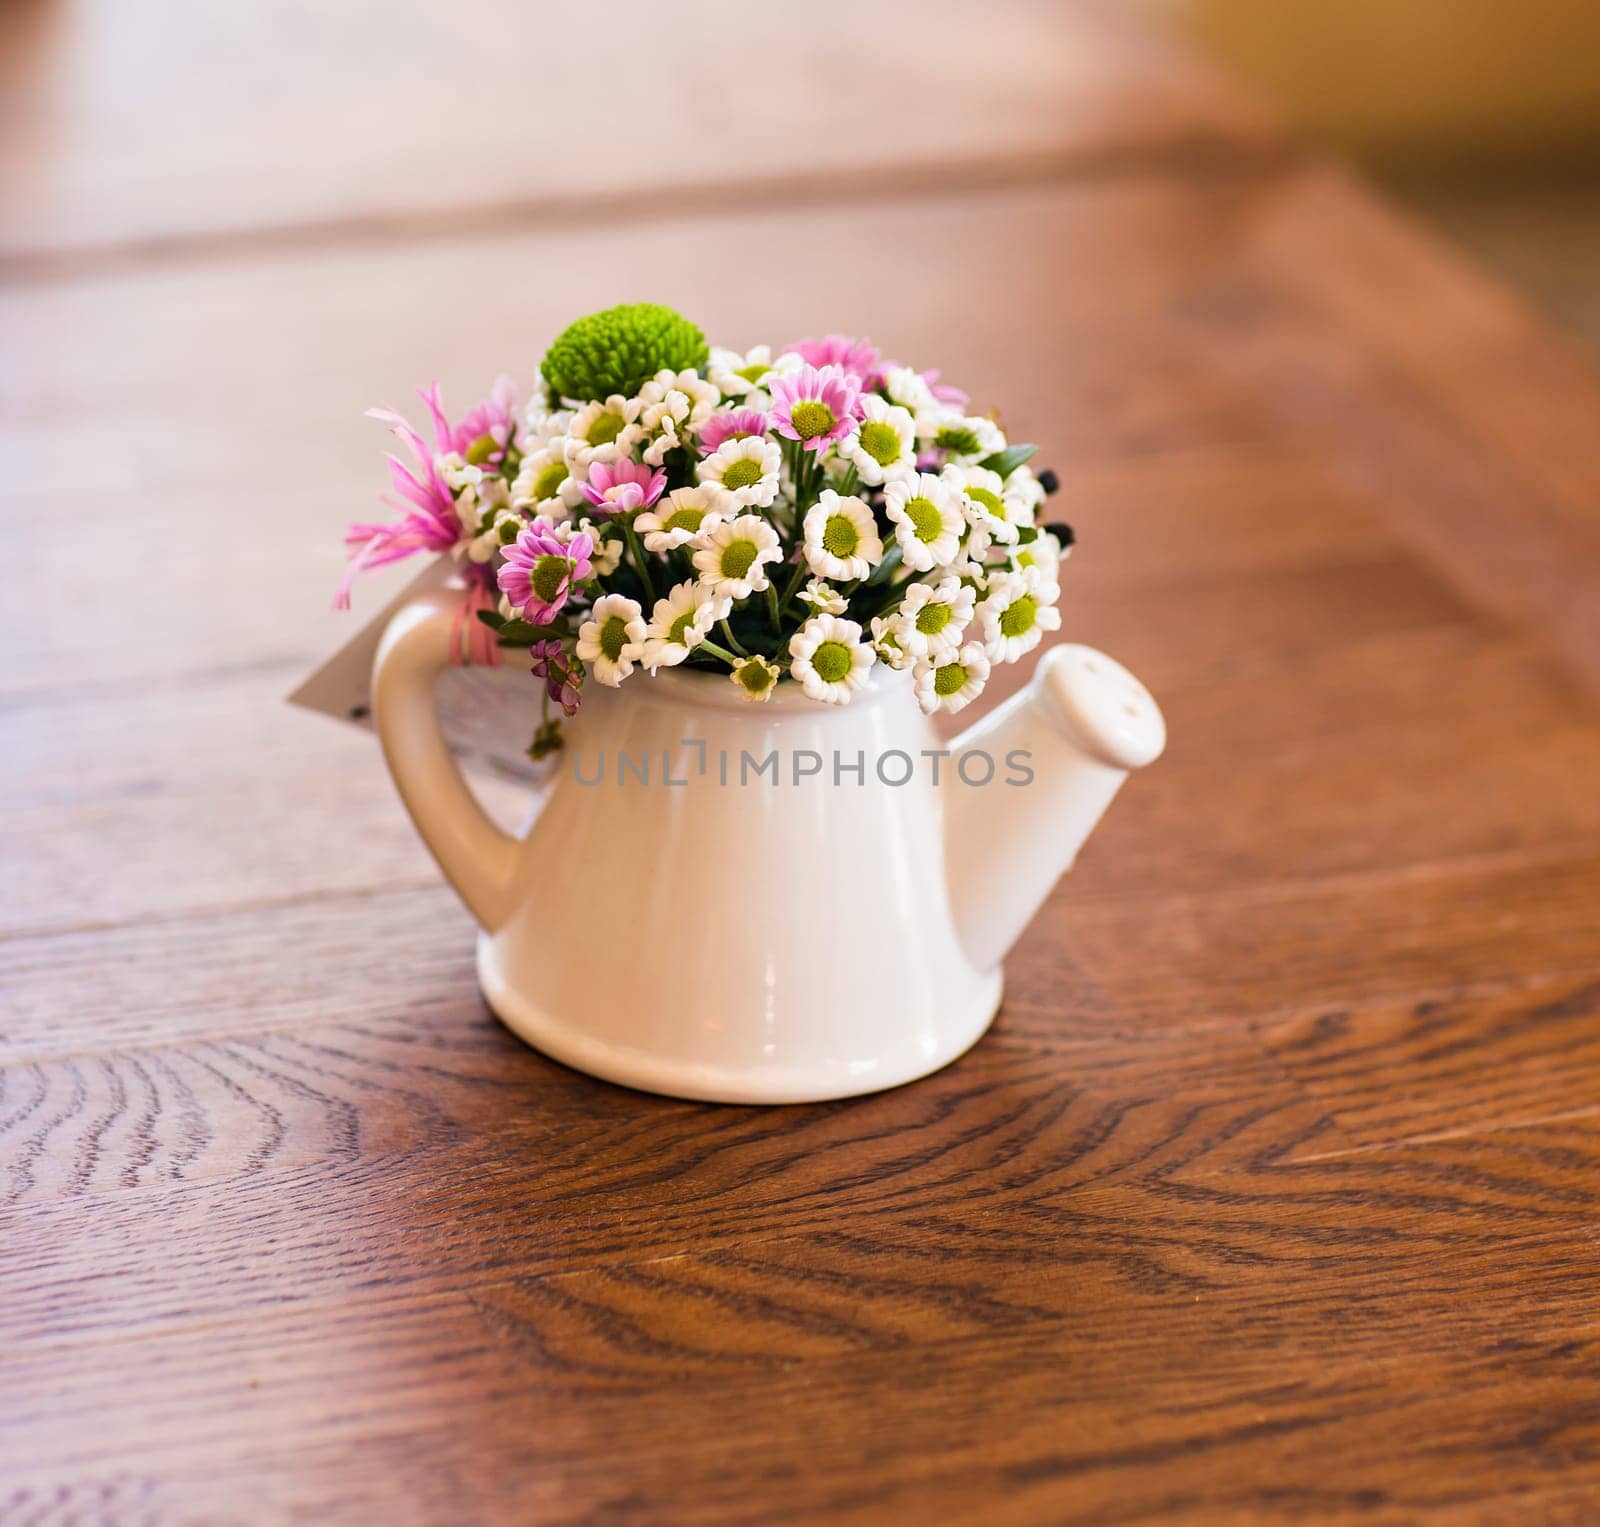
(1274, 1192)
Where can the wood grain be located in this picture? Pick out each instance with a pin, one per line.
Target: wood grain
(1470, 449)
(1272, 1194)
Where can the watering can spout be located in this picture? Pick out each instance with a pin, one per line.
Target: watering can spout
(1060, 749)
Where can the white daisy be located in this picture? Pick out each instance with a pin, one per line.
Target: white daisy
(732, 557)
(477, 500)
(1044, 551)
(755, 678)
(968, 438)
(932, 619)
(464, 483)
(661, 395)
(823, 598)
(542, 424)
(605, 431)
(673, 403)
(884, 443)
(458, 472)
(607, 554)
(508, 525)
(611, 640)
(657, 446)
(907, 389)
(928, 521)
(680, 623)
(545, 484)
(829, 658)
(1024, 492)
(1017, 609)
(954, 682)
(682, 516)
(742, 474)
(841, 537)
(488, 507)
(973, 561)
(984, 502)
(887, 644)
(746, 375)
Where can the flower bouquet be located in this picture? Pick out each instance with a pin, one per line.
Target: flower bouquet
(783, 517)
(807, 538)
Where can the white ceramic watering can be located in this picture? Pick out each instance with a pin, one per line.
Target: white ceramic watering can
(769, 903)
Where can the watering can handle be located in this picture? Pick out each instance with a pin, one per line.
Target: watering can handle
(477, 858)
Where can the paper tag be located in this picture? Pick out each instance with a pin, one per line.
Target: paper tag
(487, 715)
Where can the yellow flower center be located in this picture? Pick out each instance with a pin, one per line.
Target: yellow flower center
(613, 638)
(811, 418)
(832, 661)
(958, 440)
(840, 536)
(949, 679)
(547, 483)
(606, 427)
(925, 519)
(743, 473)
(756, 677)
(990, 501)
(880, 441)
(1018, 617)
(737, 557)
(547, 576)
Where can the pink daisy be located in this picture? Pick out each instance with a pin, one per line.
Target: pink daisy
(487, 428)
(735, 424)
(540, 569)
(943, 391)
(430, 524)
(859, 357)
(619, 486)
(815, 407)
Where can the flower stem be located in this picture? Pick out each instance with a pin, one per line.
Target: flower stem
(733, 641)
(796, 579)
(772, 608)
(636, 552)
(795, 453)
(716, 651)
(812, 468)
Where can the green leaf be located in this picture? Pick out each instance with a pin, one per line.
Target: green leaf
(523, 633)
(880, 574)
(1007, 461)
(493, 619)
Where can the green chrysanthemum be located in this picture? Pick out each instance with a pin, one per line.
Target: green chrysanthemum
(619, 350)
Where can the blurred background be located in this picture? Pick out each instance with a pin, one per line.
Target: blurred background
(1482, 115)
(275, 214)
